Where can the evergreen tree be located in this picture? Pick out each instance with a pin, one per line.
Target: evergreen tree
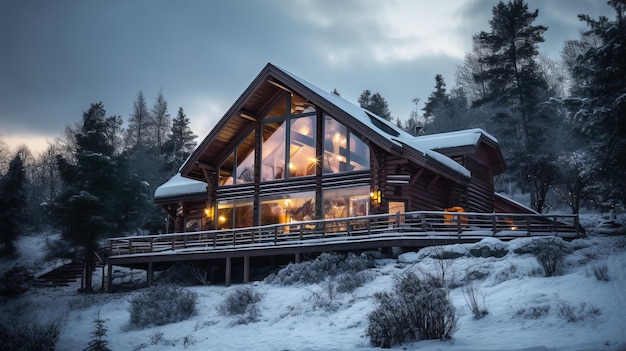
(12, 204)
(180, 143)
(437, 98)
(375, 103)
(598, 100)
(515, 90)
(95, 201)
(114, 132)
(137, 133)
(161, 120)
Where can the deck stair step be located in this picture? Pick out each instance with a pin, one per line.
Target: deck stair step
(61, 276)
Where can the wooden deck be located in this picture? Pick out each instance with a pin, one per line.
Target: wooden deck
(415, 229)
(410, 230)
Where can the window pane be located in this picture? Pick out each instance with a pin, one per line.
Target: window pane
(245, 158)
(288, 208)
(225, 214)
(244, 213)
(359, 154)
(346, 202)
(226, 170)
(273, 151)
(302, 147)
(335, 146)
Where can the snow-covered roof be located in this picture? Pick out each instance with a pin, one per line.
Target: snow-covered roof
(468, 137)
(178, 186)
(389, 130)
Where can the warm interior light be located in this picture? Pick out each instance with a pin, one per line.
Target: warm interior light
(514, 228)
(222, 219)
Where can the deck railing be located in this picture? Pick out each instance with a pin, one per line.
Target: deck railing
(427, 224)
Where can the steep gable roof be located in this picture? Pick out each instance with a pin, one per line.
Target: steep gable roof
(273, 81)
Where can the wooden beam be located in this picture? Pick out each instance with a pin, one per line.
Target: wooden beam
(149, 274)
(416, 177)
(227, 270)
(432, 182)
(246, 269)
(109, 277)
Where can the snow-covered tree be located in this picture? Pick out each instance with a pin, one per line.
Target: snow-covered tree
(516, 92)
(598, 99)
(99, 196)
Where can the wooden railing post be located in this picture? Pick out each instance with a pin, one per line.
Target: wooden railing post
(556, 224)
(458, 225)
(423, 220)
(528, 225)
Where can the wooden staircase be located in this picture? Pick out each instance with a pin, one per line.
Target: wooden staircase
(61, 276)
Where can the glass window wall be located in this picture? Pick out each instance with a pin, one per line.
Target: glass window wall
(288, 208)
(302, 160)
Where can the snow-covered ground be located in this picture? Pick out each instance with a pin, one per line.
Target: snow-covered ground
(523, 307)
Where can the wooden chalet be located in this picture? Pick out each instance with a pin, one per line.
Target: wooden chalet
(290, 156)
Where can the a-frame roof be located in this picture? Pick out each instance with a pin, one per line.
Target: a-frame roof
(269, 85)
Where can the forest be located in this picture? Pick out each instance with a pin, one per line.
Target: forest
(561, 125)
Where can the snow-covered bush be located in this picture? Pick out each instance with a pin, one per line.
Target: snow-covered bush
(417, 309)
(29, 335)
(572, 314)
(601, 272)
(318, 270)
(475, 300)
(161, 305)
(348, 282)
(550, 255)
(533, 312)
(15, 281)
(242, 302)
(326, 297)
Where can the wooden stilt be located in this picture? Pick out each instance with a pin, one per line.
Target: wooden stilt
(109, 277)
(227, 271)
(246, 269)
(297, 257)
(149, 274)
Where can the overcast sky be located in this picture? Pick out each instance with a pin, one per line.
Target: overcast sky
(58, 57)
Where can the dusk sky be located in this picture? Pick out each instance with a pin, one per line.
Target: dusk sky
(58, 57)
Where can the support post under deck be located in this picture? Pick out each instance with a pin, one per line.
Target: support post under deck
(109, 277)
(149, 274)
(227, 270)
(246, 269)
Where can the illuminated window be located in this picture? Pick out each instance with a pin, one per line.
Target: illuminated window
(343, 151)
(234, 213)
(288, 208)
(273, 151)
(302, 160)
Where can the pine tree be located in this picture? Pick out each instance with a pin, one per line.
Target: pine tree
(161, 120)
(137, 133)
(437, 98)
(98, 199)
(515, 91)
(12, 204)
(180, 142)
(598, 100)
(375, 103)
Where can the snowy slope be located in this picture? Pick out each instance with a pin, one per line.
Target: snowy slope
(513, 286)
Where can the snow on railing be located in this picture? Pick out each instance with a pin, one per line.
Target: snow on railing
(454, 225)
